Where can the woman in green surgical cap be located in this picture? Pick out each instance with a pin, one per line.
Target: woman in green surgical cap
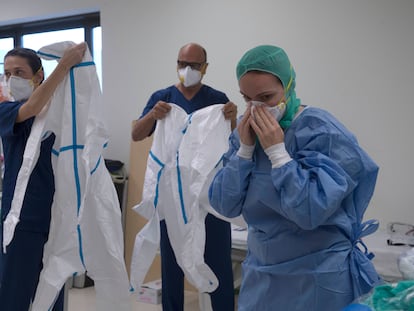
(302, 183)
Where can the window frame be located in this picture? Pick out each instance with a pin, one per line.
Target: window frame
(87, 21)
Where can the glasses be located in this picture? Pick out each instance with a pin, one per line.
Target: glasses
(195, 66)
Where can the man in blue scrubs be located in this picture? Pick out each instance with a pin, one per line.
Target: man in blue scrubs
(191, 95)
(22, 262)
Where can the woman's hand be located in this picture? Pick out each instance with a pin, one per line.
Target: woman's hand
(247, 136)
(73, 55)
(266, 127)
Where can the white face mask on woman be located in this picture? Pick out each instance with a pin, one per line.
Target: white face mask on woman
(277, 111)
(20, 88)
(188, 76)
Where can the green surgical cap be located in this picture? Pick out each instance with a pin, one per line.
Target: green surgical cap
(270, 59)
(273, 60)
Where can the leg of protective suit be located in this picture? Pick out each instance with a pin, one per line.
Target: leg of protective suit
(172, 275)
(21, 268)
(204, 142)
(103, 244)
(218, 256)
(187, 238)
(146, 244)
(61, 258)
(59, 304)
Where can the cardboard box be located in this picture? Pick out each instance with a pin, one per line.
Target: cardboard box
(150, 292)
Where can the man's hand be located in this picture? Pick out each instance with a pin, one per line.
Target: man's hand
(160, 110)
(230, 113)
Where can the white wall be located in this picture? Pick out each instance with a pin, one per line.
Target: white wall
(354, 58)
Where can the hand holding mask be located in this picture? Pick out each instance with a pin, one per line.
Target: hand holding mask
(276, 111)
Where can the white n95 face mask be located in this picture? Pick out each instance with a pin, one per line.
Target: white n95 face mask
(277, 111)
(20, 88)
(188, 76)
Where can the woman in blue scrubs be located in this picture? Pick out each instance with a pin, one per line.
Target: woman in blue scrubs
(21, 264)
(302, 183)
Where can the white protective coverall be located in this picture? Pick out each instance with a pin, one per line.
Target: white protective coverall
(86, 229)
(185, 154)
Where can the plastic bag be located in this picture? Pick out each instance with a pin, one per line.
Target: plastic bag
(406, 264)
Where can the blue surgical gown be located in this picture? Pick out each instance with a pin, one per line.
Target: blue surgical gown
(304, 218)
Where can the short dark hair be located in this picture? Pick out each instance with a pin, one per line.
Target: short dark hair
(30, 55)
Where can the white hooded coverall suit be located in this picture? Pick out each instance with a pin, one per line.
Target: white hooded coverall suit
(185, 154)
(86, 229)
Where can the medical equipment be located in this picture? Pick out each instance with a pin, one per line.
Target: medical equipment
(386, 255)
(400, 233)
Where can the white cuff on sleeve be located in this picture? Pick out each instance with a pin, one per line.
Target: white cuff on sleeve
(278, 155)
(245, 151)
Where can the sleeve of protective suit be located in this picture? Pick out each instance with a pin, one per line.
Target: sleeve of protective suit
(229, 186)
(30, 157)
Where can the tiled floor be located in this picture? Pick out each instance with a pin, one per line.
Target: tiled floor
(83, 299)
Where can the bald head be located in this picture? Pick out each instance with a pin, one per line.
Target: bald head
(193, 51)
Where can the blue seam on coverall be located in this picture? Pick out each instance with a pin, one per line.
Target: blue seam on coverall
(180, 191)
(179, 182)
(57, 153)
(74, 140)
(48, 55)
(158, 161)
(96, 165)
(75, 155)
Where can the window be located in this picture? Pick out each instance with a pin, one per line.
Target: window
(6, 44)
(34, 35)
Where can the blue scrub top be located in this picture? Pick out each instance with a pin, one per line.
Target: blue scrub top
(36, 210)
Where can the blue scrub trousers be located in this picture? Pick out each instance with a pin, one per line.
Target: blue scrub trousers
(20, 270)
(217, 256)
